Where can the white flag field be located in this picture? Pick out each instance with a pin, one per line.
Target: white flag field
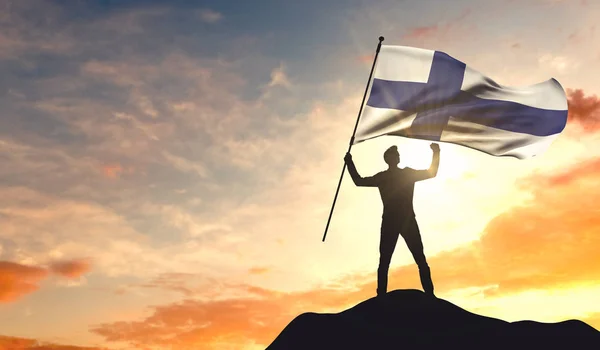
(429, 95)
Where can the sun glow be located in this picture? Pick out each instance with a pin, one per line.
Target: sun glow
(455, 161)
(417, 154)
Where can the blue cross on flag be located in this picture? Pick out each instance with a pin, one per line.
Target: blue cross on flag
(429, 95)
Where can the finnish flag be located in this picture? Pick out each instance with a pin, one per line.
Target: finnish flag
(425, 94)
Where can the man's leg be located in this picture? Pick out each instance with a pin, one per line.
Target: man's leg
(387, 244)
(412, 236)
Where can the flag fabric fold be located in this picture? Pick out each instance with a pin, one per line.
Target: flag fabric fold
(429, 95)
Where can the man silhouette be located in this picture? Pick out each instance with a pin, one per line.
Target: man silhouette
(396, 187)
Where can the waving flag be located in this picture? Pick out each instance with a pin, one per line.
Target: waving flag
(425, 94)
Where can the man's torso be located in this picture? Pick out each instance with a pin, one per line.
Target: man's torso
(396, 187)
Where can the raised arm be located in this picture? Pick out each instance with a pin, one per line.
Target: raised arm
(358, 180)
(433, 168)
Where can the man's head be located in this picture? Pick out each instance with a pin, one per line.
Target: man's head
(391, 156)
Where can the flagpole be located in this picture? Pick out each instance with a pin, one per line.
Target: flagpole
(353, 134)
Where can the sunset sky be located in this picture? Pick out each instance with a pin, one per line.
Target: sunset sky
(167, 169)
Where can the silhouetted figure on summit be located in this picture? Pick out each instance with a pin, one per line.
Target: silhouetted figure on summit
(396, 187)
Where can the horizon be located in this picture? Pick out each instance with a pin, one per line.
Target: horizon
(168, 169)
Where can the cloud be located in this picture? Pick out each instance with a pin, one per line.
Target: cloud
(252, 320)
(259, 270)
(112, 171)
(584, 110)
(16, 343)
(423, 32)
(185, 165)
(72, 268)
(279, 77)
(114, 134)
(176, 282)
(560, 1)
(438, 30)
(20, 39)
(582, 172)
(366, 59)
(137, 124)
(38, 228)
(171, 116)
(18, 280)
(210, 16)
(191, 225)
(561, 64)
(195, 103)
(132, 21)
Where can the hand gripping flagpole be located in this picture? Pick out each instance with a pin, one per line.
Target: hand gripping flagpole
(353, 134)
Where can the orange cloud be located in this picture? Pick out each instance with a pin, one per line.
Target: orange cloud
(258, 270)
(112, 171)
(366, 59)
(18, 280)
(176, 282)
(256, 319)
(584, 110)
(574, 37)
(424, 32)
(71, 269)
(435, 30)
(583, 171)
(14, 343)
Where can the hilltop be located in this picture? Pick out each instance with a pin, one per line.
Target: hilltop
(409, 319)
